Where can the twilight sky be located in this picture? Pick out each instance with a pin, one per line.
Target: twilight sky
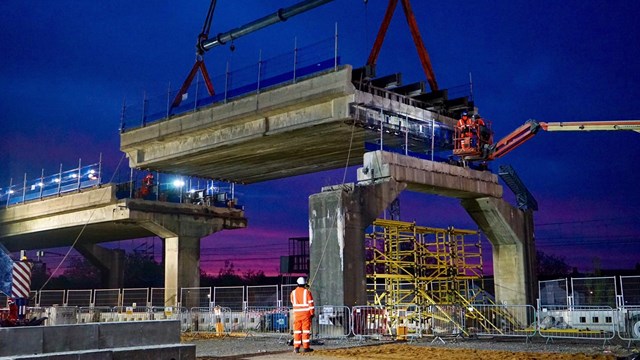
(66, 66)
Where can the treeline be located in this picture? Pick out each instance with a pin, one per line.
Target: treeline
(141, 271)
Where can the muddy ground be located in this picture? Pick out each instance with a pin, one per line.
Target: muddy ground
(265, 348)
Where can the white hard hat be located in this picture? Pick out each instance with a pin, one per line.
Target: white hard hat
(301, 281)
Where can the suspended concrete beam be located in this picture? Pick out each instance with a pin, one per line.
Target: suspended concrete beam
(338, 217)
(292, 129)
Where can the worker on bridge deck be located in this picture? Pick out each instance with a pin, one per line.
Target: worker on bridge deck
(303, 312)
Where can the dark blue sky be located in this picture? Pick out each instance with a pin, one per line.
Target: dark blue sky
(66, 66)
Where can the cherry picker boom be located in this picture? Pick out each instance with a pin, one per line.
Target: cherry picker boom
(483, 149)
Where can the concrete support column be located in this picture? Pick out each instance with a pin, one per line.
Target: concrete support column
(181, 266)
(110, 262)
(510, 231)
(338, 217)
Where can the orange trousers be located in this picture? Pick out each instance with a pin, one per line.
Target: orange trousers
(302, 331)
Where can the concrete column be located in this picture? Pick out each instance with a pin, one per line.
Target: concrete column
(338, 217)
(181, 266)
(510, 231)
(110, 262)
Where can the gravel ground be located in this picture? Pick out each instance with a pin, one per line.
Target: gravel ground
(259, 347)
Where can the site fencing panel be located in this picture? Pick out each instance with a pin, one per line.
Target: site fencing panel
(157, 297)
(92, 314)
(600, 291)
(216, 319)
(106, 297)
(267, 320)
(137, 297)
(285, 294)
(630, 290)
(79, 297)
(578, 322)
(331, 322)
(230, 296)
(370, 321)
(501, 320)
(172, 313)
(51, 297)
(262, 296)
(446, 320)
(554, 293)
(406, 322)
(195, 297)
(132, 313)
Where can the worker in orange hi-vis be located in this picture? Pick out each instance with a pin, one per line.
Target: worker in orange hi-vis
(303, 311)
(464, 130)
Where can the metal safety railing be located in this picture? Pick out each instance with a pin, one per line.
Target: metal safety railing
(266, 73)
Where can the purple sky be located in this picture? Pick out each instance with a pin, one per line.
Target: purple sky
(66, 67)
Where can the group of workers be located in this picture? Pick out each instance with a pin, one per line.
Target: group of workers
(469, 130)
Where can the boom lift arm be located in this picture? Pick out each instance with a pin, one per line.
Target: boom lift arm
(525, 132)
(205, 43)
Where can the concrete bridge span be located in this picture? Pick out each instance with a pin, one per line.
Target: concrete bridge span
(96, 215)
(290, 130)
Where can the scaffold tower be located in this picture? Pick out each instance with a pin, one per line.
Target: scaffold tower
(409, 264)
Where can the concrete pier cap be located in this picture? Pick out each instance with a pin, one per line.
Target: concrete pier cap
(339, 215)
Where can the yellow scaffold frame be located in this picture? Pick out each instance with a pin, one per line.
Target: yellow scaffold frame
(424, 266)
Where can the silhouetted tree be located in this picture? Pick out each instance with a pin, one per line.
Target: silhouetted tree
(142, 271)
(252, 277)
(227, 275)
(551, 267)
(80, 274)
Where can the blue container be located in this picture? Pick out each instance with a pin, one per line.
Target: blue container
(280, 322)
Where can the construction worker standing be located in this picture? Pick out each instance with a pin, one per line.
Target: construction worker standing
(303, 311)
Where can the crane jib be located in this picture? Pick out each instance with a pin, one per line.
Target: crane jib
(278, 16)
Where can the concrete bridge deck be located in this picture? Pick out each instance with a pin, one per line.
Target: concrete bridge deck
(57, 221)
(294, 129)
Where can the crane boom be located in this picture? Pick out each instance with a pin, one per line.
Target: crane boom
(205, 44)
(278, 16)
(633, 125)
(526, 131)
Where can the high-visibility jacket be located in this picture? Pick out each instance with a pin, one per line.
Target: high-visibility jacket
(302, 302)
(464, 125)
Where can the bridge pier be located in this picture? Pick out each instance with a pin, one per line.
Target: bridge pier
(181, 266)
(510, 231)
(338, 218)
(110, 262)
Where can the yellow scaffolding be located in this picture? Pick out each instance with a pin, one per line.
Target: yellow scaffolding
(422, 266)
